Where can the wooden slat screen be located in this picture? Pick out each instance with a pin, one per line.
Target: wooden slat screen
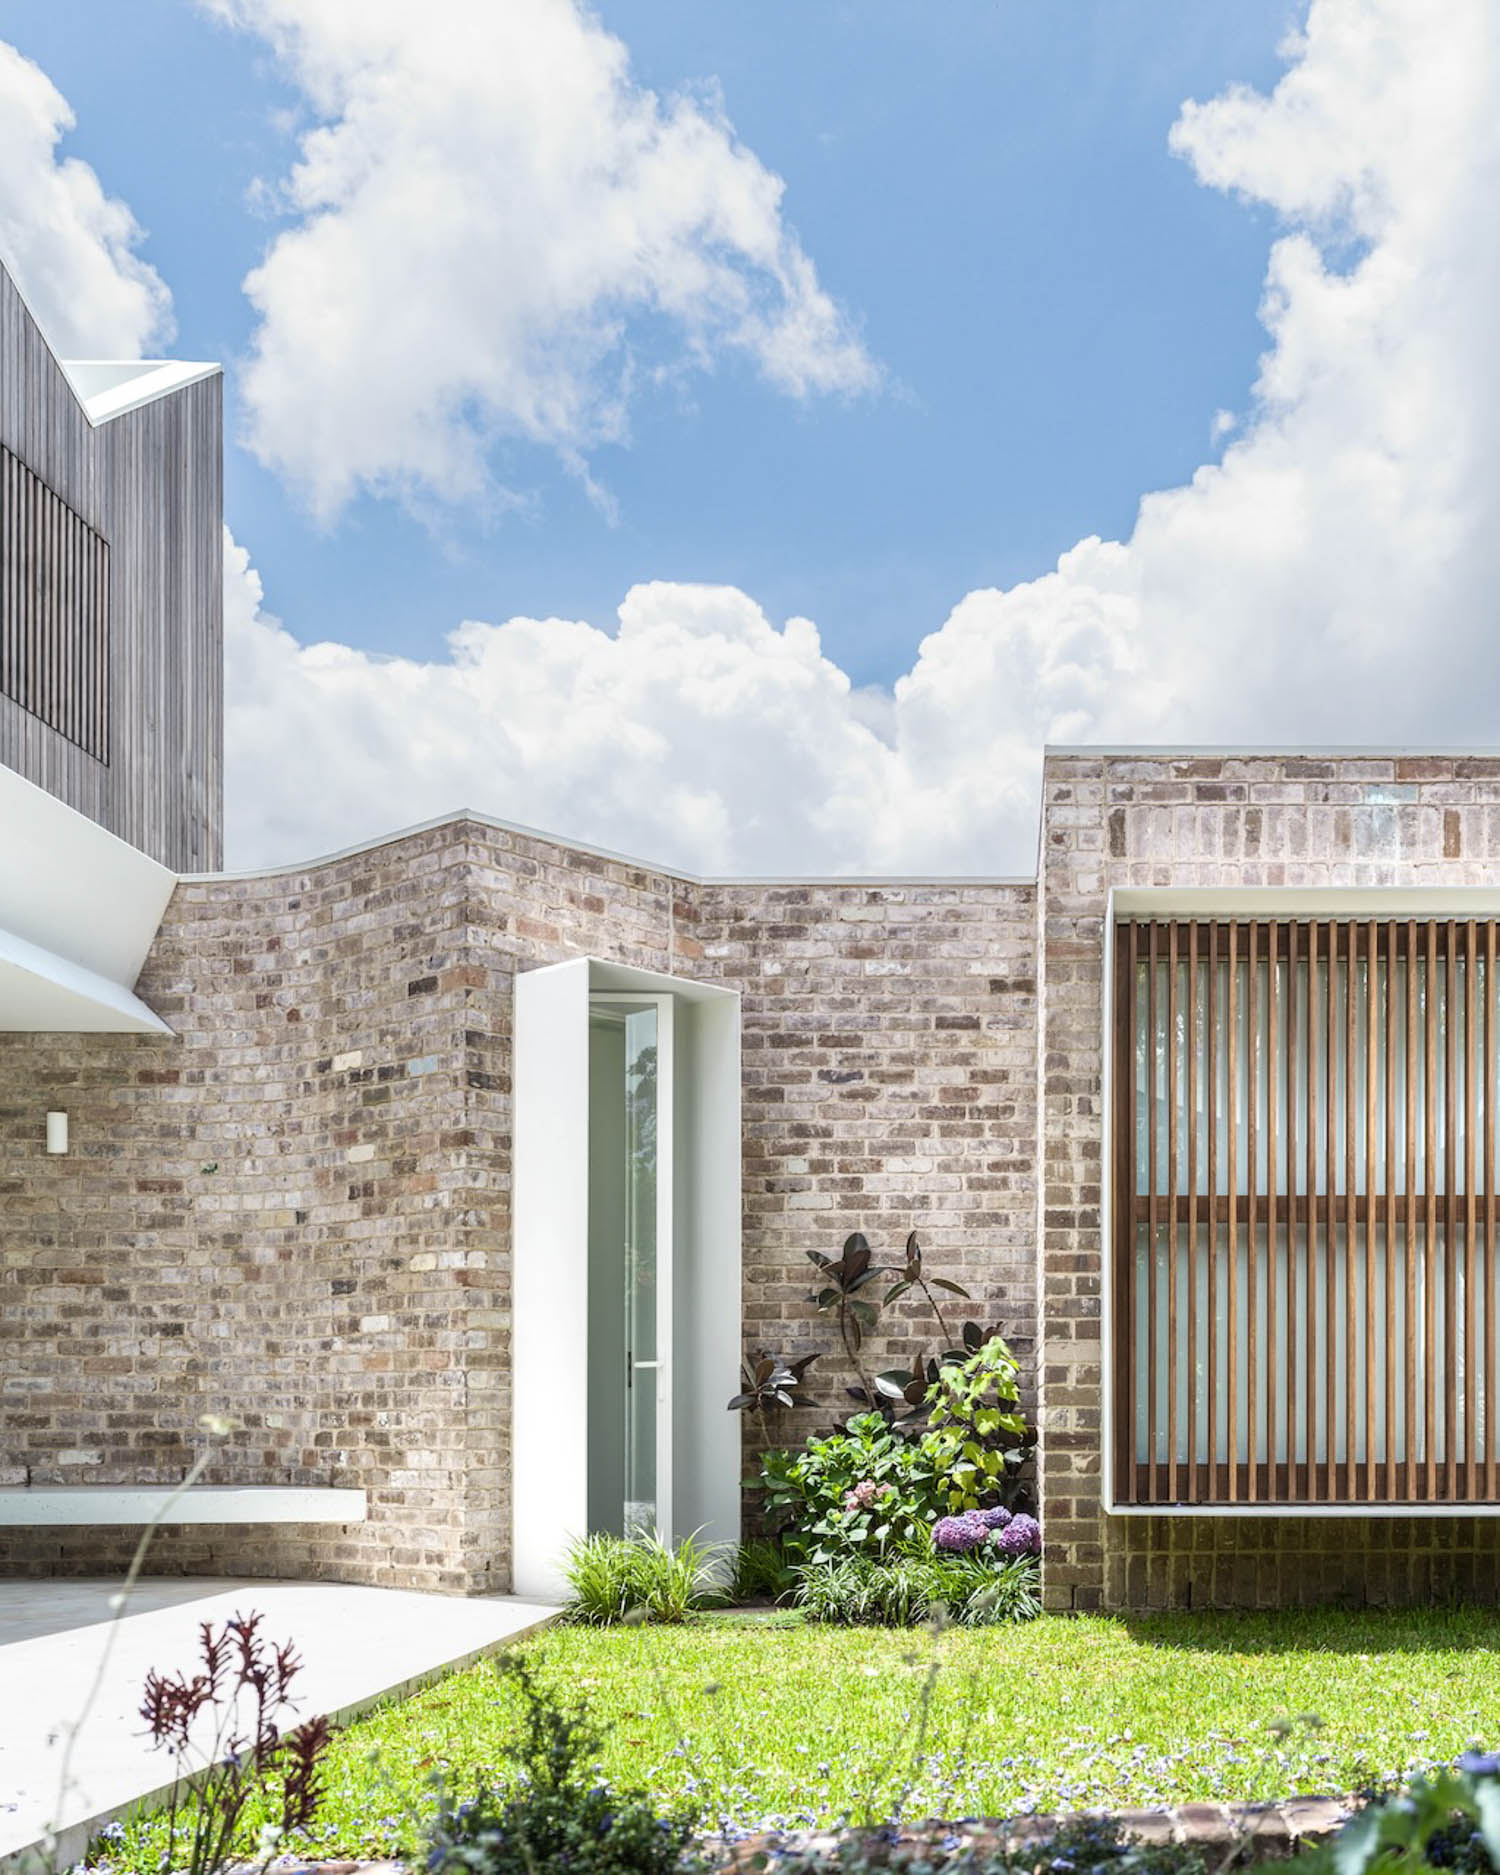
(54, 609)
(1304, 1259)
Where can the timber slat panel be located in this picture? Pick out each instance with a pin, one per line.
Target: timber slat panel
(147, 485)
(1471, 1482)
(54, 636)
(1153, 1404)
(1490, 1319)
(1392, 1032)
(1252, 1187)
(1429, 1364)
(1173, 1130)
(1348, 1350)
(1192, 1203)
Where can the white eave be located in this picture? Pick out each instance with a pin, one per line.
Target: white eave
(108, 387)
(79, 909)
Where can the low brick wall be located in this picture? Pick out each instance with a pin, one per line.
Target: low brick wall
(1257, 1831)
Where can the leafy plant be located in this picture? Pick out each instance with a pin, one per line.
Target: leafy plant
(869, 1489)
(557, 1813)
(973, 1591)
(616, 1577)
(761, 1572)
(238, 1753)
(770, 1382)
(844, 1280)
(976, 1435)
(1449, 1819)
(911, 1275)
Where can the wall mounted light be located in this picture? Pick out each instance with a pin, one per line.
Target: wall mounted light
(57, 1132)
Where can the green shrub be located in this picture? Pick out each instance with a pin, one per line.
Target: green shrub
(557, 1815)
(761, 1572)
(1449, 1820)
(973, 1591)
(869, 1490)
(614, 1577)
(976, 1437)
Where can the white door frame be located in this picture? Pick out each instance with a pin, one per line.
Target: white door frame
(547, 1389)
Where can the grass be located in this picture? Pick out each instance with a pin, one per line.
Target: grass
(768, 1721)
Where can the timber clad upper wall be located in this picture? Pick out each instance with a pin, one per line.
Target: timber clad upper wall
(149, 482)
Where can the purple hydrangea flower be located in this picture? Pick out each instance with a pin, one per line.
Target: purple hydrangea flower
(959, 1533)
(995, 1519)
(1022, 1536)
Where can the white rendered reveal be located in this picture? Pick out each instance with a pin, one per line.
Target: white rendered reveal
(550, 1439)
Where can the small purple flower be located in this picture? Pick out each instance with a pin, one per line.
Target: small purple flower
(1480, 1763)
(1022, 1536)
(958, 1533)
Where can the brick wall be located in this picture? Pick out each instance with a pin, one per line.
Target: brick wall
(297, 1212)
(889, 1085)
(1114, 821)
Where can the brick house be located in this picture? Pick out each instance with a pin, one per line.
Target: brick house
(414, 1160)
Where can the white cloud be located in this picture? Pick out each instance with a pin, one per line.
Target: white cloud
(1333, 579)
(69, 245)
(499, 234)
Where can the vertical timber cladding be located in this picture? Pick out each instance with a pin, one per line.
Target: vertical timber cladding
(54, 610)
(1304, 1274)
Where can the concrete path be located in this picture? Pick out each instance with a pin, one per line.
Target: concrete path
(358, 1645)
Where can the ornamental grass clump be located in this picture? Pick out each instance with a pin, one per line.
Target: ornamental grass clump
(968, 1590)
(616, 1578)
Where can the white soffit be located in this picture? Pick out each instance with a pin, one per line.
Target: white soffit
(108, 387)
(79, 909)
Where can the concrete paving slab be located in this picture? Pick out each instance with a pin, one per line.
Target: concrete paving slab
(358, 1645)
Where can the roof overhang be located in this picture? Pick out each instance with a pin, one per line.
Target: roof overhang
(79, 909)
(108, 387)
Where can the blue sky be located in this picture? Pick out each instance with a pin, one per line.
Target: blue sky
(744, 437)
(1059, 306)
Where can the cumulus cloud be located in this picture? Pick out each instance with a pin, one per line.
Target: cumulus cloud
(1332, 578)
(497, 234)
(71, 246)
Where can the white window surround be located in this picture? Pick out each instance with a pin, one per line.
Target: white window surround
(1242, 902)
(550, 1261)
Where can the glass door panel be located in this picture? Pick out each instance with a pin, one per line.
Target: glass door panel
(642, 1353)
(629, 1313)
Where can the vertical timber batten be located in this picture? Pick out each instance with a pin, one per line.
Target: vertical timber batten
(1332, 1379)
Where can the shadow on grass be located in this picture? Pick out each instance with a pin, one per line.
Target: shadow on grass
(1454, 1629)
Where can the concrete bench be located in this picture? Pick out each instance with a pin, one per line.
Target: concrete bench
(98, 1505)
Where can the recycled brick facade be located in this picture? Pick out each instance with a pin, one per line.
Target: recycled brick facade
(296, 1213)
(1151, 819)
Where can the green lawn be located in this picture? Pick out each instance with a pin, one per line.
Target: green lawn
(766, 1721)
